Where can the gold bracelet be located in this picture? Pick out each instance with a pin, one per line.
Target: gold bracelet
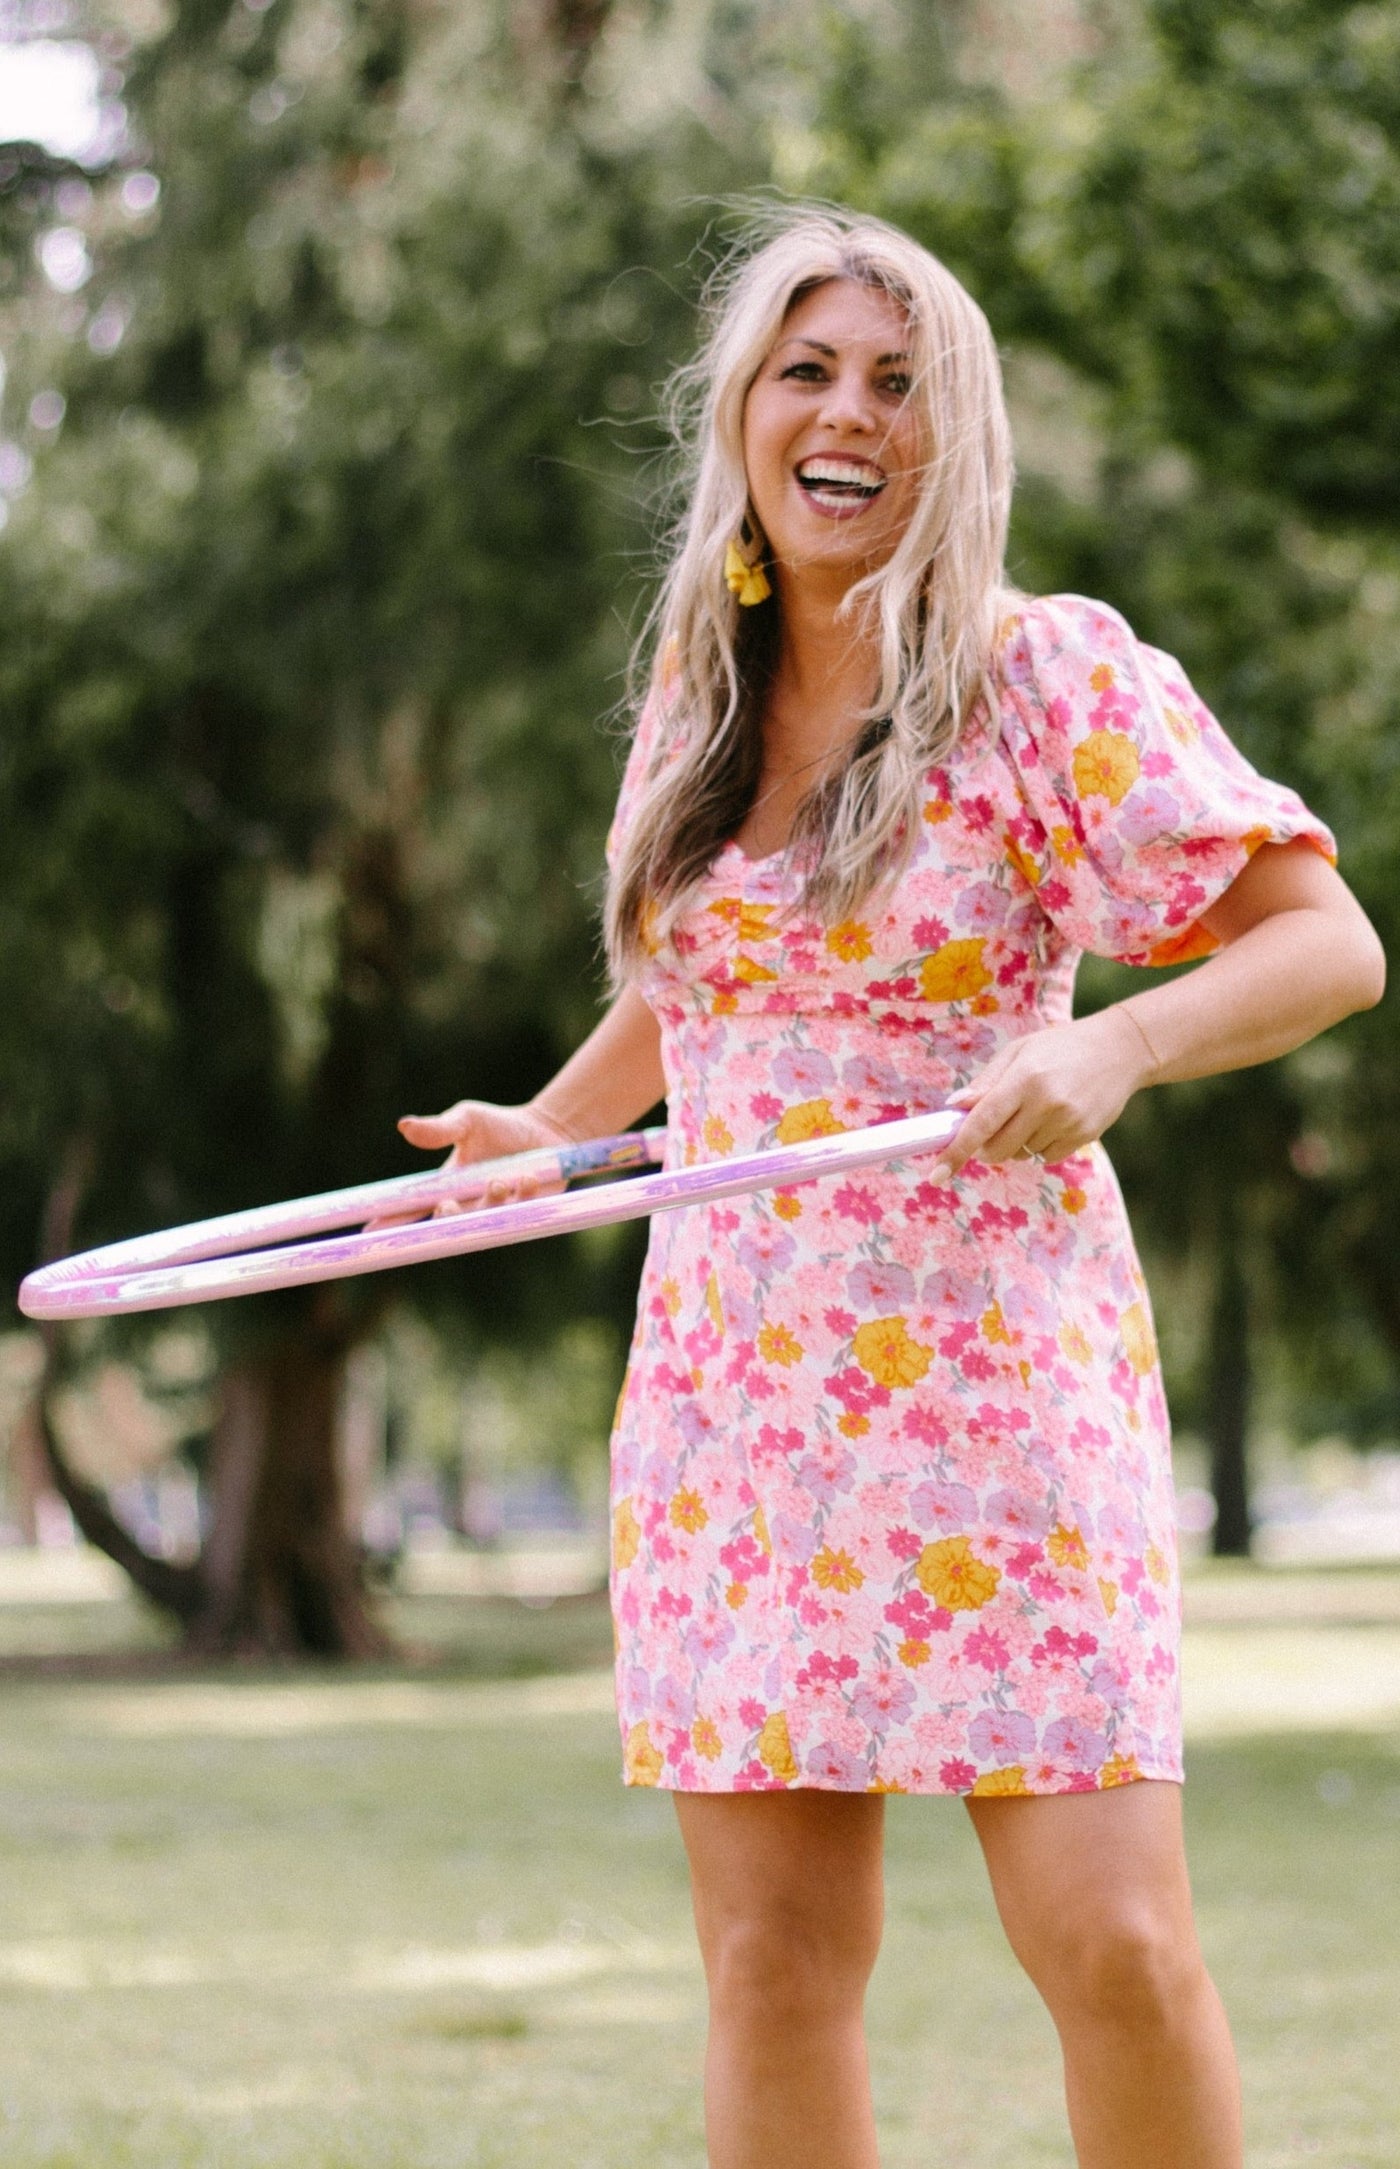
(1125, 1011)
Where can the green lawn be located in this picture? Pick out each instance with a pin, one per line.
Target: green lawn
(412, 1921)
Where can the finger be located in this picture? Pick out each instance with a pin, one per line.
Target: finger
(431, 1132)
(995, 1125)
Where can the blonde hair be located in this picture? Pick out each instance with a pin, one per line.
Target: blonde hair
(935, 604)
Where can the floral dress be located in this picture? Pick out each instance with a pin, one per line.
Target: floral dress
(892, 1498)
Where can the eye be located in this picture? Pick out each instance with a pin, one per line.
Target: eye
(900, 384)
(809, 372)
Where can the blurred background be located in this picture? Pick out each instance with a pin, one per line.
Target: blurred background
(331, 485)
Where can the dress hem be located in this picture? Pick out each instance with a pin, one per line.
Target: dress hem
(1164, 1774)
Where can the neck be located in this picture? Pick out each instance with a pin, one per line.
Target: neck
(826, 669)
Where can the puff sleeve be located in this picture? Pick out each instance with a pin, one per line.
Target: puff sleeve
(1139, 812)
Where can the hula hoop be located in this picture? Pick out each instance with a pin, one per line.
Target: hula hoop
(212, 1259)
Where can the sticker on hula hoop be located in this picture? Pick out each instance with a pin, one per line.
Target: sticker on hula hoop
(230, 1256)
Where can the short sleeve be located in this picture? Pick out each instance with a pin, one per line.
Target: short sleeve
(1139, 810)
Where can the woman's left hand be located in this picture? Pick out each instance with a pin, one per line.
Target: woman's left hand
(1050, 1093)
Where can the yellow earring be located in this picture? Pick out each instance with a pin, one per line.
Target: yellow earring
(748, 582)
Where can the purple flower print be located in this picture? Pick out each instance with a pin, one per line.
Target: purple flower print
(766, 1249)
(803, 1074)
(674, 1702)
(1019, 1513)
(982, 906)
(1001, 1736)
(794, 1538)
(868, 1075)
(826, 1470)
(1147, 814)
(946, 1508)
(884, 1697)
(708, 1636)
(880, 1290)
(837, 1768)
(1079, 1745)
(954, 1295)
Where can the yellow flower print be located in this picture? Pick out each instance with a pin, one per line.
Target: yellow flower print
(1101, 677)
(994, 1326)
(736, 1596)
(914, 1654)
(627, 1534)
(850, 941)
(952, 1574)
(1109, 1592)
(751, 922)
(1067, 1547)
(850, 1425)
(1106, 765)
(713, 1304)
(809, 1118)
(1183, 727)
(777, 1345)
(1138, 1344)
(649, 927)
(886, 1784)
(752, 973)
(671, 1295)
(1155, 1561)
(1065, 844)
(883, 1349)
(1073, 1199)
(724, 1004)
(786, 1206)
(1119, 1770)
(936, 810)
(1021, 859)
(760, 1531)
(706, 1740)
(836, 1570)
(641, 1762)
(955, 972)
(1009, 1783)
(1074, 1343)
(687, 1511)
(775, 1748)
(717, 1135)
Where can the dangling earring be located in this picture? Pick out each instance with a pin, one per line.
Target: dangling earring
(748, 582)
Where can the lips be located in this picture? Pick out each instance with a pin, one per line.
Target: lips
(840, 486)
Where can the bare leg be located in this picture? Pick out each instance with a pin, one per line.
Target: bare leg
(1093, 1894)
(789, 1902)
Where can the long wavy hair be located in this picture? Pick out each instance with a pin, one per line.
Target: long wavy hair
(706, 662)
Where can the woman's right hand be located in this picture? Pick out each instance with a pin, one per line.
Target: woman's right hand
(479, 1130)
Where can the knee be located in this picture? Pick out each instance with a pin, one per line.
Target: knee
(790, 1966)
(1132, 1968)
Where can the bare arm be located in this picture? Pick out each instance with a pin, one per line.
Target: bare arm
(1297, 955)
(607, 1085)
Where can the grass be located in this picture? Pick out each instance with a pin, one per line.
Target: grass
(412, 1921)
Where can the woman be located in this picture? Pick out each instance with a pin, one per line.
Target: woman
(892, 1496)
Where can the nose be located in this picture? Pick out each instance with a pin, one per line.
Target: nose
(849, 404)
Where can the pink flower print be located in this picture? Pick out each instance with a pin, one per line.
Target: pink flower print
(766, 1249)
(916, 1618)
(957, 1776)
(765, 1107)
(977, 1366)
(928, 934)
(752, 1713)
(743, 1559)
(987, 1649)
(837, 1768)
(1067, 1741)
(1044, 1587)
(840, 1323)
(1001, 1736)
(924, 1424)
(775, 1445)
(804, 1074)
(821, 1666)
(754, 1778)
(956, 1339)
(673, 1604)
(885, 1697)
(881, 1290)
(930, 1201)
(859, 1205)
(904, 1543)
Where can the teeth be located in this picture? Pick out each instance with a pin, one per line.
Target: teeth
(842, 475)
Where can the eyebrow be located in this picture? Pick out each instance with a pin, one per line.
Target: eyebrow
(818, 347)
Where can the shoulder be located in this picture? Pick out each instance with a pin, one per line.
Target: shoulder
(1047, 636)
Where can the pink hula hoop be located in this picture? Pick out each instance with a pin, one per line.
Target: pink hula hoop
(211, 1259)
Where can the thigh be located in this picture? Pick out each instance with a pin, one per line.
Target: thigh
(798, 1861)
(1065, 1865)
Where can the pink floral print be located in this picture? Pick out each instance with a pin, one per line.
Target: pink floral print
(892, 1502)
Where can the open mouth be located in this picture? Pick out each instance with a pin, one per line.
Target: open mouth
(840, 485)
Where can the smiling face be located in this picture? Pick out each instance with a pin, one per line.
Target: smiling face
(831, 438)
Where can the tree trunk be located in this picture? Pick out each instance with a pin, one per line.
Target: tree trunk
(1227, 1396)
(282, 1573)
